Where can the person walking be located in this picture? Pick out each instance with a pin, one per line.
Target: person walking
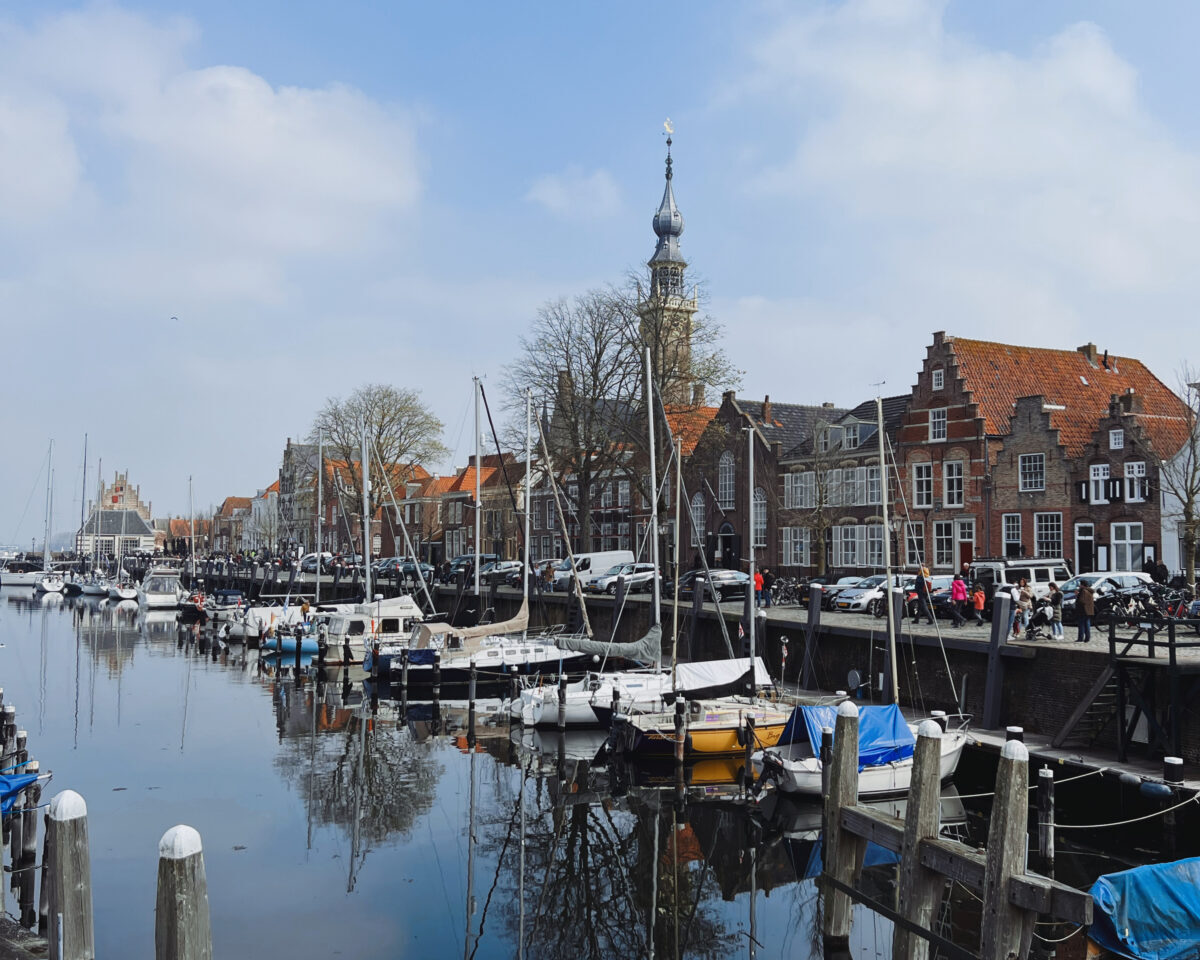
(1085, 609)
(758, 588)
(1014, 594)
(768, 582)
(978, 601)
(922, 588)
(1056, 599)
(958, 599)
(1024, 601)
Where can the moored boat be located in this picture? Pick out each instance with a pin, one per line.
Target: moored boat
(160, 589)
(712, 728)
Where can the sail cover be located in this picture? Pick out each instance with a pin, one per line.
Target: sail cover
(10, 786)
(693, 677)
(883, 734)
(648, 649)
(427, 631)
(1150, 912)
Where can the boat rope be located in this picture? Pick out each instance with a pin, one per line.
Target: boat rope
(1059, 939)
(1033, 786)
(1121, 823)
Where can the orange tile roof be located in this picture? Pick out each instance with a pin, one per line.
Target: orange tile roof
(688, 424)
(465, 481)
(234, 503)
(997, 374)
(436, 486)
(181, 527)
(273, 488)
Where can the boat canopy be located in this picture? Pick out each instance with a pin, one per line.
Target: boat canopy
(427, 631)
(1150, 912)
(696, 679)
(883, 733)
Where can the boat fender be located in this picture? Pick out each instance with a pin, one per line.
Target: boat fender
(1151, 788)
(741, 735)
(1131, 780)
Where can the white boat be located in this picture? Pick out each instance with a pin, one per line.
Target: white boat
(94, 586)
(50, 583)
(885, 752)
(122, 590)
(21, 573)
(160, 589)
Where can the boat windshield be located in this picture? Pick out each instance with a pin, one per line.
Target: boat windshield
(161, 585)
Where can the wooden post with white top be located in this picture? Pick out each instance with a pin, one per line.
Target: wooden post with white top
(182, 927)
(72, 933)
(919, 888)
(1007, 929)
(843, 849)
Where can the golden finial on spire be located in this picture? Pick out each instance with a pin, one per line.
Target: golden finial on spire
(668, 126)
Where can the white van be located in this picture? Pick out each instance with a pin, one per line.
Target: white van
(589, 566)
(1037, 572)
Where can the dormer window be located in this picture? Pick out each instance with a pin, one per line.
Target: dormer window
(939, 379)
(823, 441)
(1116, 439)
(850, 436)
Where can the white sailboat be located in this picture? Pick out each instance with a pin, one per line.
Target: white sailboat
(885, 740)
(52, 581)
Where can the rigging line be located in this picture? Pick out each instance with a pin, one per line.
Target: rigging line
(1034, 786)
(1121, 823)
(908, 518)
(512, 495)
(445, 892)
(1060, 939)
(495, 879)
(29, 499)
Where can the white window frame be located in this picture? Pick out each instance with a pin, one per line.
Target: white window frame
(760, 518)
(1124, 555)
(1045, 545)
(1099, 474)
(954, 484)
(938, 378)
(943, 543)
(1135, 473)
(1031, 471)
(697, 519)
(1010, 532)
(796, 546)
(1116, 439)
(725, 481)
(823, 440)
(847, 542)
(874, 545)
(939, 420)
(622, 493)
(874, 488)
(914, 544)
(922, 485)
(850, 436)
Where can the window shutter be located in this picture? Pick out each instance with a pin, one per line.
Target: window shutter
(787, 542)
(1083, 491)
(1116, 492)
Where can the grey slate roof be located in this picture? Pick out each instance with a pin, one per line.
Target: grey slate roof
(116, 523)
(894, 409)
(791, 423)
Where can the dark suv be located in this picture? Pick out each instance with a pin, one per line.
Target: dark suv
(716, 583)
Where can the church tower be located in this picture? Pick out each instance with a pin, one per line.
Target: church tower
(666, 312)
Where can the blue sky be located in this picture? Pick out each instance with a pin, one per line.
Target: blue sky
(328, 195)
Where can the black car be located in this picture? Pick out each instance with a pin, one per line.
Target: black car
(717, 584)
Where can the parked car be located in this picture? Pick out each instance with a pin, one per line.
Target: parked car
(858, 598)
(719, 584)
(464, 561)
(538, 571)
(308, 563)
(589, 566)
(639, 577)
(411, 568)
(498, 571)
(829, 591)
(1103, 584)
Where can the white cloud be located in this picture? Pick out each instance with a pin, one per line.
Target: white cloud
(575, 193)
(1011, 196)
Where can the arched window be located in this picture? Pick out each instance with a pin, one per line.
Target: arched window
(725, 481)
(760, 517)
(697, 519)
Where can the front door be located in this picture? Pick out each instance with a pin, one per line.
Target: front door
(964, 542)
(1085, 548)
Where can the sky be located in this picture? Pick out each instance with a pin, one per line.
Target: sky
(213, 216)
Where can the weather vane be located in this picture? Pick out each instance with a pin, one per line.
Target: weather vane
(668, 126)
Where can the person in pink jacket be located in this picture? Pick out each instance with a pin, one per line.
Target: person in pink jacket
(958, 599)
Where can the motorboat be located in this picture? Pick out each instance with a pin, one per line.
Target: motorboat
(349, 628)
(22, 573)
(160, 589)
(885, 750)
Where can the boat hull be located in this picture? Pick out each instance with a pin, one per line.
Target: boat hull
(709, 734)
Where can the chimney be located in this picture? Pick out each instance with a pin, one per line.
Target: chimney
(1089, 352)
(767, 409)
(697, 394)
(827, 405)
(1131, 401)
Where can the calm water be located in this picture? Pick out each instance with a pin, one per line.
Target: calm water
(332, 829)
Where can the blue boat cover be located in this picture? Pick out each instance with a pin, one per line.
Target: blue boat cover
(10, 786)
(423, 657)
(1150, 912)
(873, 856)
(883, 734)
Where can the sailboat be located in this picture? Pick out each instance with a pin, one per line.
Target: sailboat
(96, 584)
(885, 740)
(52, 580)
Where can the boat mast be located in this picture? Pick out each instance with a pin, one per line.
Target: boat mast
(478, 516)
(657, 612)
(49, 507)
(887, 548)
(83, 494)
(320, 510)
(99, 508)
(528, 480)
(750, 529)
(191, 531)
(678, 548)
(366, 516)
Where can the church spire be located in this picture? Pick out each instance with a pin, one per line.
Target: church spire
(667, 264)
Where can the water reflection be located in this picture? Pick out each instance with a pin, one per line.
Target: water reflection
(410, 825)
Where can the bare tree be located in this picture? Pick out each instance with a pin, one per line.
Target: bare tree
(401, 430)
(820, 491)
(1180, 477)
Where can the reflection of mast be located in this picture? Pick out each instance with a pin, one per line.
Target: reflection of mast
(469, 937)
(42, 673)
(312, 748)
(356, 834)
(521, 881)
(753, 893)
(187, 690)
(78, 642)
(653, 886)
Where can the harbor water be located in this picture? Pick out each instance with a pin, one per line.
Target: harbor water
(335, 824)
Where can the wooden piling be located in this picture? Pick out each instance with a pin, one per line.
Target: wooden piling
(72, 934)
(748, 765)
(437, 676)
(182, 928)
(562, 702)
(919, 888)
(27, 877)
(826, 758)
(843, 850)
(1045, 816)
(680, 730)
(1007, 929)
(471, 683)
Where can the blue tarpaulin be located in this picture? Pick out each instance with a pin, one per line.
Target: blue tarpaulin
(1150, 912)
(423, 657)
(10, 786)
(883, 734)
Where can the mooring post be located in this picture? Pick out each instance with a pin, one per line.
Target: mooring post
(44, 895)
(403, 673)
(920, 889)
(1045, 809)
(994, 684)
(28, 865)
(1173, 778)
(1007, 928)
(437, 676)
(16, 822)
(471, 681)
(71, 934)
(826, 760)
(680, 730)
(182, 929)
(1014, 733)
(562, 702)
(751, 740)
(843, 850)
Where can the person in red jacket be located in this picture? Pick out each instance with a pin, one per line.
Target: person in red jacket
(758, 584)
(958, 599)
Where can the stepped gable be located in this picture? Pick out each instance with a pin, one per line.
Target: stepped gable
(1082, 382)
